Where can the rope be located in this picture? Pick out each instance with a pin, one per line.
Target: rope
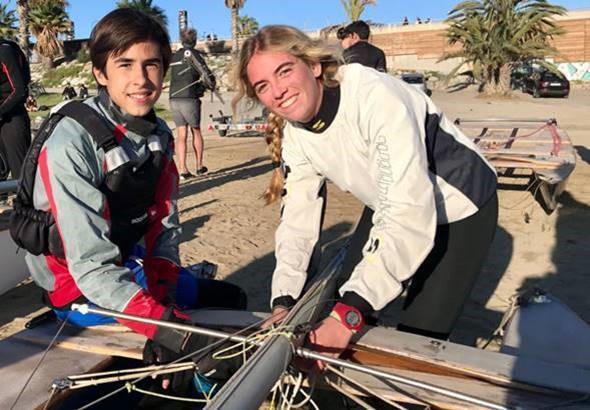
(365, 388)
(352, 397)
(499, 332)
(131, 387)
(203, 350)
(40, 361)
(53, 390)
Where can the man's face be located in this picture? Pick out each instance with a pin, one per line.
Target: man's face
(286, 85)
(349, 40)
(134, 78)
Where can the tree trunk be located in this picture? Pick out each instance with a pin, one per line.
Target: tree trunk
(234, 30)
(497, 82)
(22, 8)
(47, 62)
(504, 79)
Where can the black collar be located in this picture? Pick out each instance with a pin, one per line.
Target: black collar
(144, 126)
(327, 112)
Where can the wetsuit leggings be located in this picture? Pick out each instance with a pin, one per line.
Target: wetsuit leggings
(15, 139)
(440, 287)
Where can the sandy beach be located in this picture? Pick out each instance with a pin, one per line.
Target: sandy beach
(225, 222)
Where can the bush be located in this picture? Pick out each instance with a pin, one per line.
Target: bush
(55, 77)
(83, 55)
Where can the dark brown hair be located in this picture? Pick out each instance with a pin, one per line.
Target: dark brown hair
(121, 29)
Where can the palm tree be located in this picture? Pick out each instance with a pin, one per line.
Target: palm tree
(7, 22)
(234, 6)
(47, 20)
(497, 34)
(354, 8)
(22, 8)
(247, 25)
(147, 7)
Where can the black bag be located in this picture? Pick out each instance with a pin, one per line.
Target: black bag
(30, 227)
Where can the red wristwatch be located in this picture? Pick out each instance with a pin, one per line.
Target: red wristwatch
(349, 316)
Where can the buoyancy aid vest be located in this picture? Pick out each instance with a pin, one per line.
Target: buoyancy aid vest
(129, 187)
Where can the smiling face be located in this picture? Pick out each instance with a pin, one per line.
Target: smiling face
(134, 78)
(286, 85)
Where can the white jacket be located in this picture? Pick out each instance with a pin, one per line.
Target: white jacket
(394, 150)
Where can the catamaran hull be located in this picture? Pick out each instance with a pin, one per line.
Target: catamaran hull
(13, 269)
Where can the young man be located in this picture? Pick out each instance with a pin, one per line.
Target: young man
(357, 49)
(107, 192)
(186, 90)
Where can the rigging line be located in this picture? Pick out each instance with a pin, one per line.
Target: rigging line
(131, 387)
(364, 387)
(79, 384)
(306, 395)
(124, 371)
(40, 361)
(53, 390)
(305, 353)
(85, 308)
(352, 397)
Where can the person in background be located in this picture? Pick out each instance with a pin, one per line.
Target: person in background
(31, 104)
(186, 91)
(354, 38)
(83, 92)
(68, 92)
(430, 195)
(15, 125)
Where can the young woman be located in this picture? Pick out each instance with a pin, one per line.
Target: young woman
(431, 193)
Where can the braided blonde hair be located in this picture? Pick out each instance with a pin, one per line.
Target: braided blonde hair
(285, 39)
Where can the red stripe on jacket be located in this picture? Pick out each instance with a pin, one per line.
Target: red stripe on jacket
(12, 87)
(65, 289)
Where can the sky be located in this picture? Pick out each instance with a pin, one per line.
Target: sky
(212, 17)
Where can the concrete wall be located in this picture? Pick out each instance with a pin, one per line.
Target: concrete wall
(420, 46)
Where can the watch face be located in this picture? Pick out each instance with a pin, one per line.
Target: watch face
(352, 318)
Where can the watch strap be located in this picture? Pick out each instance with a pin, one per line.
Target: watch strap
(349, 316)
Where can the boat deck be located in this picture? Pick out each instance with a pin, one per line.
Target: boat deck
(533, 155)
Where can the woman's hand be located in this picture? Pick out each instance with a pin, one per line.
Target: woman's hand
(278, 315)
(330, 338)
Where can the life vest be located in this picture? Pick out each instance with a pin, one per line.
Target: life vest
(129, 187)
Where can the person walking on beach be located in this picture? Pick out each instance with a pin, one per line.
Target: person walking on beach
(354, 38)
(430, 196)
(104, 180)
(186, 91)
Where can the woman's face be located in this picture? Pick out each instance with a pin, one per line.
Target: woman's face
(286, 85)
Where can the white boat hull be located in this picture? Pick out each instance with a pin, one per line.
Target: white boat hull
(13, 269)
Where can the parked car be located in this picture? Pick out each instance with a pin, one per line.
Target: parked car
(546, 83)
(417, 81)
(519, 73)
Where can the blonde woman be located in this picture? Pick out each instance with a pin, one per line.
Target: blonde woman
(431, 193)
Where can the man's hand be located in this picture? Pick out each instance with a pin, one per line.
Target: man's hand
(330, 338)
(279, 313)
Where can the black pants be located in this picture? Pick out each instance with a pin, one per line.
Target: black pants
(440, 287)
(15, 139)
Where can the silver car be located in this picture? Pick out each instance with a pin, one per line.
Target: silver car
(418, 81)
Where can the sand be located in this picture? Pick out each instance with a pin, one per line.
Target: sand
(225, 222)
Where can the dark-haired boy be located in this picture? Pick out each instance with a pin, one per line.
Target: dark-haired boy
(105, 198)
